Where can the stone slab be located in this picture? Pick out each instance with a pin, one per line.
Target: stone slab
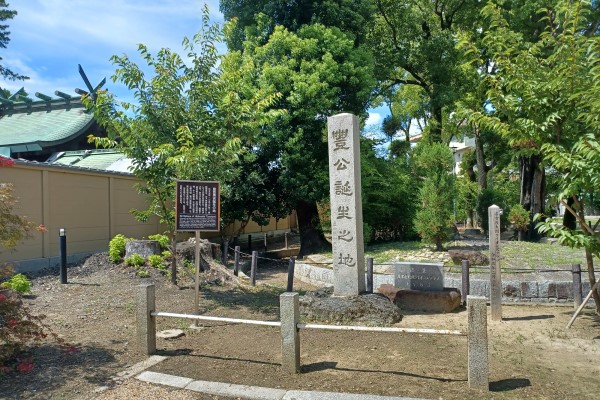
(236, 391)
(419, 276)
(306, 395)
(447, 300)
(170, 334)
(141, 366)
(164, 379)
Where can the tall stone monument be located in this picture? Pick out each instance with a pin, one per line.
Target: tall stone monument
(346, 205)
(494, 213)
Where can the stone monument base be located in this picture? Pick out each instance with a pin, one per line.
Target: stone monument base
(373, 309)
(447, 300)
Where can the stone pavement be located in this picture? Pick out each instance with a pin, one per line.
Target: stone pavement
(252, 392)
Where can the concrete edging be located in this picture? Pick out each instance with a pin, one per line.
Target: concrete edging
(252, 392)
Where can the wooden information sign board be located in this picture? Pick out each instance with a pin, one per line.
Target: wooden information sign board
(198, 206)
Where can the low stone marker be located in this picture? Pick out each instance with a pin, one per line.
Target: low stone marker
(146, 323)
(289, 309)
(478, 361)
(419, 276)
(420, 286)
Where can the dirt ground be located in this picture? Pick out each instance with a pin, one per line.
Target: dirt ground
(531, 353)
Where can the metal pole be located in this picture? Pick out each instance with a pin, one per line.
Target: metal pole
(265, 242)
(466, 286)
(286, 240)
(290, 281)
(236, 262)
(577, 291)
(253, 268)
(369, 274)
(63, 255)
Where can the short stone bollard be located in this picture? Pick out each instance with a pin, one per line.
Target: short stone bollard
(145, 322)
(289, 308)
(478, 363)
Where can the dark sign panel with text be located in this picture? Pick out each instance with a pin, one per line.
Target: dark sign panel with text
(198, 206)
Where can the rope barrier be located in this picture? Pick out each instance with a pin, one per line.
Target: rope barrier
(447, 267)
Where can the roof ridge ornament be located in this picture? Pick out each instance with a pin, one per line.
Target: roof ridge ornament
(92, 91)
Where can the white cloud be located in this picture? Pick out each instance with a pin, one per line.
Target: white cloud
(50, 37)
(374, 119)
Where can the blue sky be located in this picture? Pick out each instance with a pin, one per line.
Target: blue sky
(50, 37)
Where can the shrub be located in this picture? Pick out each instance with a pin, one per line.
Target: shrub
(166, 254)
(156, 261)
(116, 248)
(163, 240)
(143, 273)
(135, 260)
(18, 330)
(19, 283)
(519, 217)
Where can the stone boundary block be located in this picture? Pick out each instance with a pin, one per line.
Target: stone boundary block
(520, 290)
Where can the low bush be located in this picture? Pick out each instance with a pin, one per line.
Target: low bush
(19, 283)
(156, 261)
(116, 248)
(163, 240)
(135, 260)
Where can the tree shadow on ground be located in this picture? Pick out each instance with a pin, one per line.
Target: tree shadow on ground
(504, 385)
(53, 365)
(261, 299)
(325, 365)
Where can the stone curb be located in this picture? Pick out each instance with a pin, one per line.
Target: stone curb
(253, 392)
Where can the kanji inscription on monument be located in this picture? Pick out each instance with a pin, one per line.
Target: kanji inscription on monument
(346, 205)
(494, 213)
(198, 206)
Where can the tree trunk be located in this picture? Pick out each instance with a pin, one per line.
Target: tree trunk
(532, 190)
(592, 278)
(569, 220)
(312, 239)
(435, 127)
(481, 164)
(470, 219)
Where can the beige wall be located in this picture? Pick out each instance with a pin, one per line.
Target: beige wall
(91, 206)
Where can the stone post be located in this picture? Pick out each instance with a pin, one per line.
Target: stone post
(494, 213)
(289, 308)
(478, 363)
(466, 287)
(145, 322)
(346, 205)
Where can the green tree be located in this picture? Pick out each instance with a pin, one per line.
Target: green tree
(5, 15)
(350, 16)
(545, 96)
(433, 164)
(188, 122)
(319, 72)
(389, 193)
(414, 44)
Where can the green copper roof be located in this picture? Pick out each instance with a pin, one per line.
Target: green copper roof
(42, 124)
(96, 159)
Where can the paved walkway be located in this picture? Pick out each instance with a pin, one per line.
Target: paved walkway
(252, 392)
